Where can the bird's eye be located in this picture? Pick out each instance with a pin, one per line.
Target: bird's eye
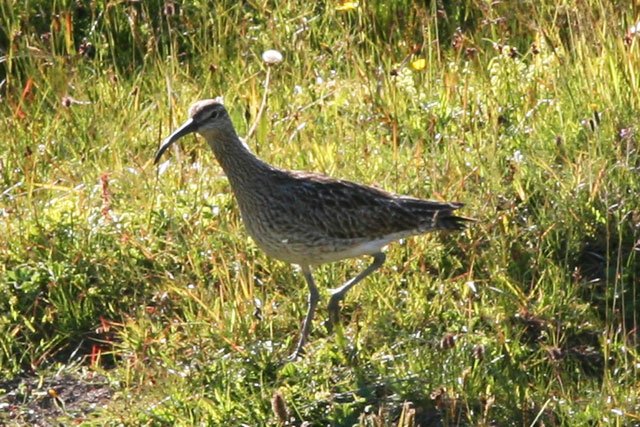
(214, 115)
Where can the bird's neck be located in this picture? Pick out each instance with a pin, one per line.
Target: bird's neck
(241, 166)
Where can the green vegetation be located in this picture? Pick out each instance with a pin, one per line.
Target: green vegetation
(525, 111)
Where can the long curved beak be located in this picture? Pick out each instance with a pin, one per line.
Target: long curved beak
(188, 127)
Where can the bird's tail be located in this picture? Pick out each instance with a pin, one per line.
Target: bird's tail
(444, 219)
(437, 215)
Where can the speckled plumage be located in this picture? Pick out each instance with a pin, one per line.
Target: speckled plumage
(309, 219)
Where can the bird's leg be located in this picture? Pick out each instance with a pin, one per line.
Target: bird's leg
(338, 294)
(314, 297)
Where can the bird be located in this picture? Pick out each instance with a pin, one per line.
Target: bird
(308, 219)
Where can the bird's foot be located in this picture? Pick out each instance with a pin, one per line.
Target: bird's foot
(297, 353)
(334, 312)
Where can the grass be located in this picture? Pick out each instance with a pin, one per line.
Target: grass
(145, 277)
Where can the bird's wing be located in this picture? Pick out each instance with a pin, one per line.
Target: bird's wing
(346, 210)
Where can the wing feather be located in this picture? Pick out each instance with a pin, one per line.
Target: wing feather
(342, 209)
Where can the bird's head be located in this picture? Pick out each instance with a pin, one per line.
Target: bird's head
(205, 116)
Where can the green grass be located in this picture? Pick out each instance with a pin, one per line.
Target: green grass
(527, 113)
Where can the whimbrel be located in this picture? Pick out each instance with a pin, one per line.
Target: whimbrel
(310, 219)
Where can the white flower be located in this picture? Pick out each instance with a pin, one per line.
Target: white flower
(272, 57)
(518, 157)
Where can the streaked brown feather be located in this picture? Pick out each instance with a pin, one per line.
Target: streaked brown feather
(347, 210)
